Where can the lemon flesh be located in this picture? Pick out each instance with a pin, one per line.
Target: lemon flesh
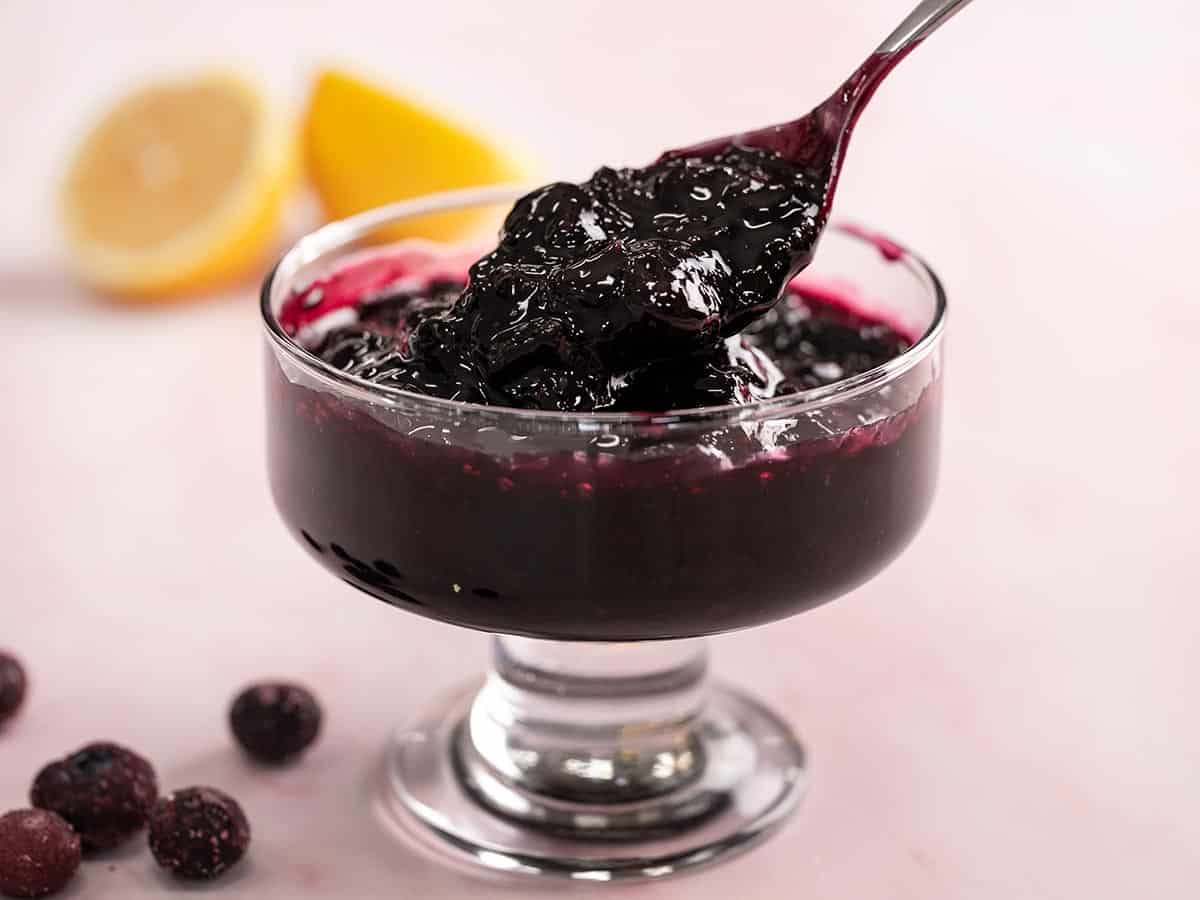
(365, 146)
(178, 188)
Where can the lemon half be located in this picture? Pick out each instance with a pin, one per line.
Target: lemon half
(365, 146)
(178, 188)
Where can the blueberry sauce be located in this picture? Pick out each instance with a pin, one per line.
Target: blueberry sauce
(548, 532)
(599, 294)
(660, 289)
(804, 342)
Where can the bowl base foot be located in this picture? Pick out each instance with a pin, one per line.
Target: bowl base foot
(754, 773)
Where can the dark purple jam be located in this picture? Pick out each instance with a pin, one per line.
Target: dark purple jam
(617, 294)
(803, 342)
(638, 291)
(531, 532)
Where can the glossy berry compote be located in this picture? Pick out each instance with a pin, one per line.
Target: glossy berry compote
(517, 506)
(580, 528)
(809, 340)
(598, 291)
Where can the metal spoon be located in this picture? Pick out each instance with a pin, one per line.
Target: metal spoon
(817, 142)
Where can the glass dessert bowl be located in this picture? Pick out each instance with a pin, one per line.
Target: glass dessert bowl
(600, 548)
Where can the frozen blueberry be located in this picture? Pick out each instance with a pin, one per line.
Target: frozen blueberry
(275, 721)
(39, 853)
(12, 686)
(104, 791)
(198, 832)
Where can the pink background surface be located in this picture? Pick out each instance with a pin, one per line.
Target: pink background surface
(1009, 711)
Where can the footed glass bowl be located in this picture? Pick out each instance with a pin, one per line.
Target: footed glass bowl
(600, 548)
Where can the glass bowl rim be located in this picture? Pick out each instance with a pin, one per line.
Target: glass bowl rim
(342, 232)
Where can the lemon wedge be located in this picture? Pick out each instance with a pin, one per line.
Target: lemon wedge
(365, 146)
(178, 188)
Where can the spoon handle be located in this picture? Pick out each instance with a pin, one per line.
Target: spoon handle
(921, 23)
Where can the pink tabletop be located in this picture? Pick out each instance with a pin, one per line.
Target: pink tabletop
(1008, 712)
